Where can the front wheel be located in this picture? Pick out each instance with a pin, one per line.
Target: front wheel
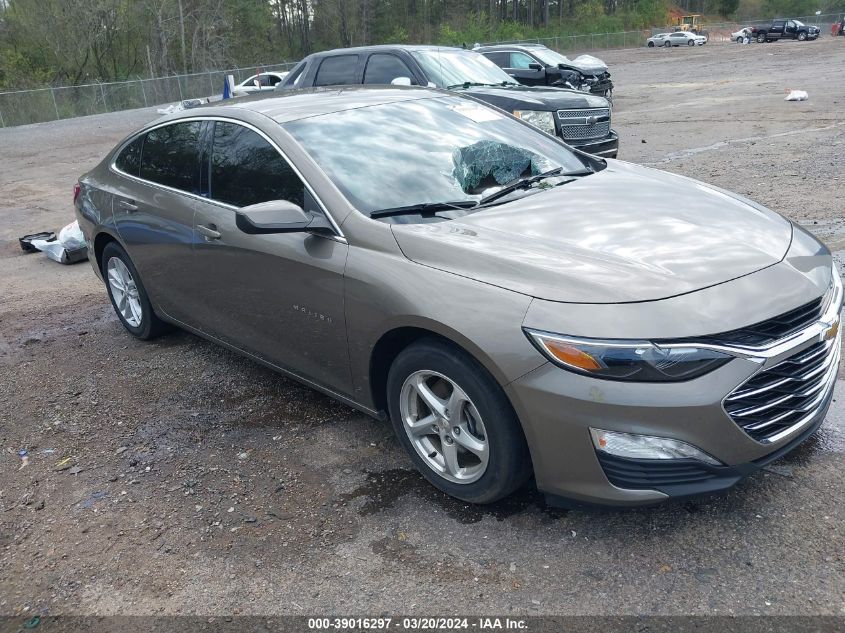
(667, 44)
(651, 44)
(802, 36)
(691, 43)
(456, 423)
(128, 295)
(739, 40)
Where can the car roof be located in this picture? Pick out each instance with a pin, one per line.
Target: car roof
(508, 47)
(291, 105)
(387, 47)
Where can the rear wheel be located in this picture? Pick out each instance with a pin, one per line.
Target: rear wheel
(128, 295)
(651, 44)
(761, 38)
(456, 423)
(667, 44)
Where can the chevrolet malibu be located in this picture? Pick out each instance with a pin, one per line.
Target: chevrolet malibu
(511, 305)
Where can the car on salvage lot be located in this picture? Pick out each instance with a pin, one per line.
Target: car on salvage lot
(428, 259)
(745, 33)
(581, 119)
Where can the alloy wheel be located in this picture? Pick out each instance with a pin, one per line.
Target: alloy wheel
(444, 426)
(124, 291)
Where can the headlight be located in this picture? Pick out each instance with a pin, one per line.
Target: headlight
(542, 120)
(638, 361)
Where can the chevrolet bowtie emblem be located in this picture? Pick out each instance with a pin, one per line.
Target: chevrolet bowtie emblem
(832, 331)
(592, 120)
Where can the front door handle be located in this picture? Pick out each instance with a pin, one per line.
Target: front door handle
(210, 232)
(127, 205)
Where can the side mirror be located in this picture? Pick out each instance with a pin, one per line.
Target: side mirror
(401, 81)
(535, 66)
(275, 216)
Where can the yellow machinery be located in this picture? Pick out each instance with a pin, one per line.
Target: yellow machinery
(691, 23)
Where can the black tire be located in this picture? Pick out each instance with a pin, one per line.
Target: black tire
(761, 38)
(509, 463)
(691, 43)
(739, 40)
(150, 325)
(651, 44)
(802, 36)
(667, 44)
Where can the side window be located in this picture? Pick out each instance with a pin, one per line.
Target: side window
(521, 60)
(129, 159)
(501, 59)
(382, 68)
(246, 169)
(170, 155)
(295, 75)
(337, 70)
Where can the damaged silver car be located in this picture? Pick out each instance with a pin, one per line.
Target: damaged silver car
(513, 306)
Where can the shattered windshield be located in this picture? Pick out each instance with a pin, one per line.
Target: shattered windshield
(447, 67)
(426, 151)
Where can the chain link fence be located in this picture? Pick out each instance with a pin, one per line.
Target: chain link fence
(20, 107)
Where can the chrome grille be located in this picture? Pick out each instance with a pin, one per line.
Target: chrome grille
(780, 400)
(588, 123)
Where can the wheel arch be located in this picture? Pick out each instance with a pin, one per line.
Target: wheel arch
(391, 343)
(100, 241)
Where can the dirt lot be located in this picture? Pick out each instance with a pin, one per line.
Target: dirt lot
(198, 482)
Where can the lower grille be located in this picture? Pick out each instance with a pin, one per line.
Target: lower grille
(589, 123)
(648, 474)
(777, 401)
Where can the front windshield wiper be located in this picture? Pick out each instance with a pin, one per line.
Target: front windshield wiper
(471, 84)
(424, 207)
(525, 183)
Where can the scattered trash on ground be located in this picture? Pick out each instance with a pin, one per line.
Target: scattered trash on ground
(70, 246)
(181, 105)
(63, 464)
(797, 95)
(24, 455)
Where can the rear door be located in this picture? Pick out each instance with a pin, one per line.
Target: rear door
(277, 296)
(154, 211)
(338, 70)
(778, 28)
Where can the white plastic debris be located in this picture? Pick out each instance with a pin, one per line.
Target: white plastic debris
(70, 247)
(797, 95)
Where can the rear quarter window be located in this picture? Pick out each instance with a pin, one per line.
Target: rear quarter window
(336, 71)
(129, 159)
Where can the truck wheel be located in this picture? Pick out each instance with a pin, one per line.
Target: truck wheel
(802, 36)
(761, 38)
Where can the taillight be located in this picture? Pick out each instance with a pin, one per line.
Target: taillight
(76, 190)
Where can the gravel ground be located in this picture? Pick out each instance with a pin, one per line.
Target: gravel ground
(176, 477)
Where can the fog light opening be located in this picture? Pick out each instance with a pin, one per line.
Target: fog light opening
(634, 446)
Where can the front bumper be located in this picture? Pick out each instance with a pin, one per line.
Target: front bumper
(562, 406)
(607, 147)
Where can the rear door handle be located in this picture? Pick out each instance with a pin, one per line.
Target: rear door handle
(210, 231)
(127, 205)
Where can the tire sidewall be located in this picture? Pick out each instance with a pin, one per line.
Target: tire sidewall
(509, 464)
(145, 328)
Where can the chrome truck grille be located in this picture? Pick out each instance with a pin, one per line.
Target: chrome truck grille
(589, 123)
(782, 399)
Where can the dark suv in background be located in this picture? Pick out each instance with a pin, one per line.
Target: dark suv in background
(538, 65)
(581, 119)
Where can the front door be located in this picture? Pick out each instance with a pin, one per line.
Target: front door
(278, 296)
(526, 70)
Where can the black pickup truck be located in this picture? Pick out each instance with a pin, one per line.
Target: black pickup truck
(580, 119)
(784, 29)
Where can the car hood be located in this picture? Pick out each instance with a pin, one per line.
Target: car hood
(534, 98)
(624, 234)
(587, 64)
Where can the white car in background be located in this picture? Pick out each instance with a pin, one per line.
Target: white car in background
(260, 82)
(678, 38)
(740, 35)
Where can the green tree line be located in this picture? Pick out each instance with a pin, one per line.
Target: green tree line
(67, 42)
